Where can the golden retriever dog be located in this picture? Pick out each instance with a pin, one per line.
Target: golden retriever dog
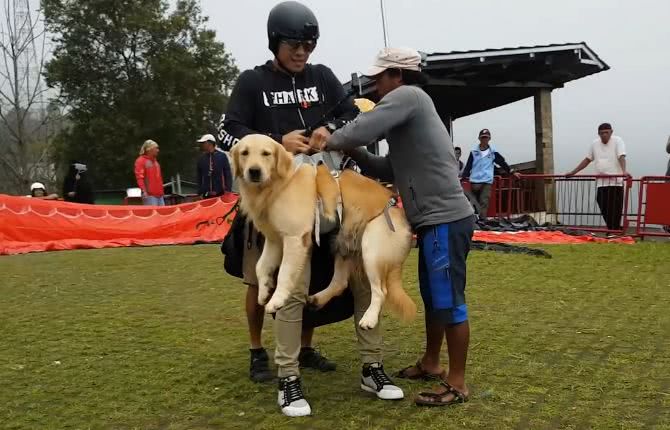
(281, 201)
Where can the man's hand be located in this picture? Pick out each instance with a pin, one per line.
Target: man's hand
(517, 175)
(295, 142)
(318, 139)
(582, 165)
(71, 194)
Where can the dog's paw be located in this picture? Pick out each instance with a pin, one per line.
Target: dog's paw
(312, 304)
(273, 305)
(263, 296)
(369, 321)
(269, 282)
(317, 301)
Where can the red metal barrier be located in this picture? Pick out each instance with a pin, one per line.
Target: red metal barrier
(595, 203)
(653, 218)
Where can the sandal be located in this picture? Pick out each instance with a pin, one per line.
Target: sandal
(416, 372)
(431, 398)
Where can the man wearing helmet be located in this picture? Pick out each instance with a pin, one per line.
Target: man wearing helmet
(281, 99)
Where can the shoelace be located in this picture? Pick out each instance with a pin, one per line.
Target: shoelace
(379, 376)
(292, 392)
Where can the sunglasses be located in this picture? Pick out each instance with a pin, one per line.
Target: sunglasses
(294, 44)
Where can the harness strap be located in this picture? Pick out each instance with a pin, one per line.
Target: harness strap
(339, 207)
(330, 163)
(319, 210)
(391, 203)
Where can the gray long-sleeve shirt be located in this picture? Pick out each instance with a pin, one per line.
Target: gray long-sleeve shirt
(421, 160)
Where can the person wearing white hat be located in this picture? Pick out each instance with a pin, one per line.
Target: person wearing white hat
(213, 169)
(39, 191)
(422, 164)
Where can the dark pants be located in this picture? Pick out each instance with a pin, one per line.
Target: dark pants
(339, 308)
(610, 201)
(322, 263)
(479, 196)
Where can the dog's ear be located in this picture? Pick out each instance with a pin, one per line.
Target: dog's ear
(235, 155)
(284, 161)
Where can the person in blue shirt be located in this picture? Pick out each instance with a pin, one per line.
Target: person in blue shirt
(479, 169)
(214, 174)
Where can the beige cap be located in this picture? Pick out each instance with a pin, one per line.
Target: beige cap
(395, 58)
(207, 138)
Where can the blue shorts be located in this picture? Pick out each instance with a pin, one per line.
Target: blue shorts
(443, 250)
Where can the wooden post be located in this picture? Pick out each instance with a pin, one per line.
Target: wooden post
(448, 122)
(544, 146)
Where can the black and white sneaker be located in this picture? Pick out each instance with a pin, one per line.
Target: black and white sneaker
(290, 398)
(375, 380)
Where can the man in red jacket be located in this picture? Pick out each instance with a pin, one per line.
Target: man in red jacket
(148, 175)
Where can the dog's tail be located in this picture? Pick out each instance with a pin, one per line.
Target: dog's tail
(328, 190)
(399, 302)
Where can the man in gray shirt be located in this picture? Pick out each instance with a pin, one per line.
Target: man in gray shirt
(422, 164)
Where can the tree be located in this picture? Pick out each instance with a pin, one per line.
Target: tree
(131, 70)
(27, 123)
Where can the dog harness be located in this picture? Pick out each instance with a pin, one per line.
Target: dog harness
(335, 168)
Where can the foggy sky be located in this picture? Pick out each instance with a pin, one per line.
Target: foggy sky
(632, 37)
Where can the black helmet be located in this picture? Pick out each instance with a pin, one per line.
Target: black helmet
(291, 20)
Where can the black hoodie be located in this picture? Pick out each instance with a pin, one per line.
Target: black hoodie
(78, 183)
(269, 101)
(266, 100)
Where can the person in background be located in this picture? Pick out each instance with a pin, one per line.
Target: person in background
(214, 174)
(76, 186)
(458, 152)
(479, 169)
(609, 153)
(148, 174)
(39, 191)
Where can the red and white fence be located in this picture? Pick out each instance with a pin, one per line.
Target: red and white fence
(607, 204)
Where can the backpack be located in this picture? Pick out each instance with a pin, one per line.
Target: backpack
(232, 246)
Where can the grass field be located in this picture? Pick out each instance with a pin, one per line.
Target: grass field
(155, 338)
